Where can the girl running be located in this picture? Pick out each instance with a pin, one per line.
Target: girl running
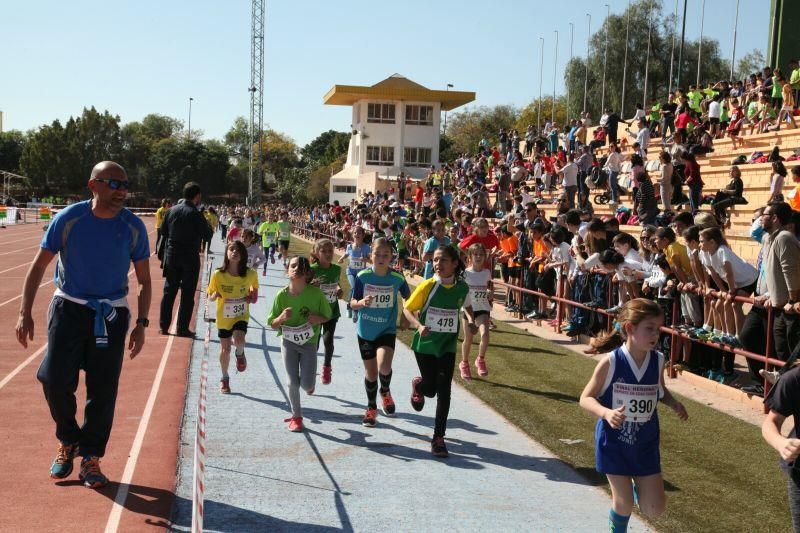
(234, 287)
(269, 235)
(297, 312)
(326, 277)
(623, 393)
(358, 252)
(479, 280)
(235, 231)
(433, 310)
(255, 253)
(375, 298)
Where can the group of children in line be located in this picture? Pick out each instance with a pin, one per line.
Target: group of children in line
(622, 393)
(306, 312)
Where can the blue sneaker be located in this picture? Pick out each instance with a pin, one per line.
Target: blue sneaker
(90, 473)
(62, 464)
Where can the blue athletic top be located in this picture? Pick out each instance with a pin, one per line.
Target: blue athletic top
(94, 254)
(361, 253)
(381, 317)
(430, 246)
(633, 449)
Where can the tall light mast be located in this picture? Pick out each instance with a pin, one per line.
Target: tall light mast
(256, 168)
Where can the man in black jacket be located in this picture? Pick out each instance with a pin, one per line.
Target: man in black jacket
(183, 230)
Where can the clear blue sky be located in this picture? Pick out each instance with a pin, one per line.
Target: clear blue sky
(147, 56)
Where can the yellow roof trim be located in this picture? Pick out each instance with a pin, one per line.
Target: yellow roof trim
(396, 88)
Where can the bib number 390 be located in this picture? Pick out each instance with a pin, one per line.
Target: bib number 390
(442, 320)
(639, 400)
(298, 334)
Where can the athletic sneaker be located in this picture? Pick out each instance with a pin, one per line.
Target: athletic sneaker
(90, 473)
(225, 385)
(770, 375)
(417, 399)
(466, 373)
(326, 375)
(241, 362)
(272, 259)
(480, 364)
(387, 403)
(370, 418)
(438, 447)
(295, 423)
(755, 390)
(62, 464)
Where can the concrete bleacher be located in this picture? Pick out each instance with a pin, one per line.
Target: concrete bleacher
(715, 168)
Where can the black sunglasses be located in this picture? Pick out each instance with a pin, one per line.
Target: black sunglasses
(115, 184)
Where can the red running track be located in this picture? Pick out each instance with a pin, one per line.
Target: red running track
(144, 442)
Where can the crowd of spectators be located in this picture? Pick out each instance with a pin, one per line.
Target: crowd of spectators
(528, 199)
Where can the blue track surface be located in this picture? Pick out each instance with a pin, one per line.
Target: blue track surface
(341, 476)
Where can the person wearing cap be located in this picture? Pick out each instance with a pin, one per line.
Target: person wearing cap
(95, 241)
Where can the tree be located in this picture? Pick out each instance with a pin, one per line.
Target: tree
(641, 12)
(529, 113)
(11, 145)
(750, 63)
(468, 127)
(173, 162)
(278, 153)
(238, 141)
(326, 148)
(45, 158)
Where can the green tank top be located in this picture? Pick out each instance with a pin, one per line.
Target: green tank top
(441, 317)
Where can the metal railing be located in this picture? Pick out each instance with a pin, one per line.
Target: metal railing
(563, 305)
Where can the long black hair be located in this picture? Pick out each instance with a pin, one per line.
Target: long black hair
(450, 251)
(242, 249)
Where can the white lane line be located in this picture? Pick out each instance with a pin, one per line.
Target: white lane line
(45, 283)
(16, 267)
(17, 297)
(40, 350)
(136, 447)
(22, 249)
(22, 365)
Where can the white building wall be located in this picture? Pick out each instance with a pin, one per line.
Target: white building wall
(398, 135)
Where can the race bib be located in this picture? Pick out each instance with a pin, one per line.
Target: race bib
(382, 296)
(234, 307)
(639, 401)
(330, 290)
(285, 234)
(356, 263)
(442, 320)
(297, 334)
(479, 295)
(250, 259)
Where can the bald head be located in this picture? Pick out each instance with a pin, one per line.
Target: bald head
(109, 169)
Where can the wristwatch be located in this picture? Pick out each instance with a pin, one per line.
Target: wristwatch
(143, 322)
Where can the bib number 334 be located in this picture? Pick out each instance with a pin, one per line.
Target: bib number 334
(234, 308)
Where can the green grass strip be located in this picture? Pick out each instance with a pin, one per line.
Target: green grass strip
(719, 473)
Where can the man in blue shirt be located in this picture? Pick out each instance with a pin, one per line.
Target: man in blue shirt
(95, 241)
